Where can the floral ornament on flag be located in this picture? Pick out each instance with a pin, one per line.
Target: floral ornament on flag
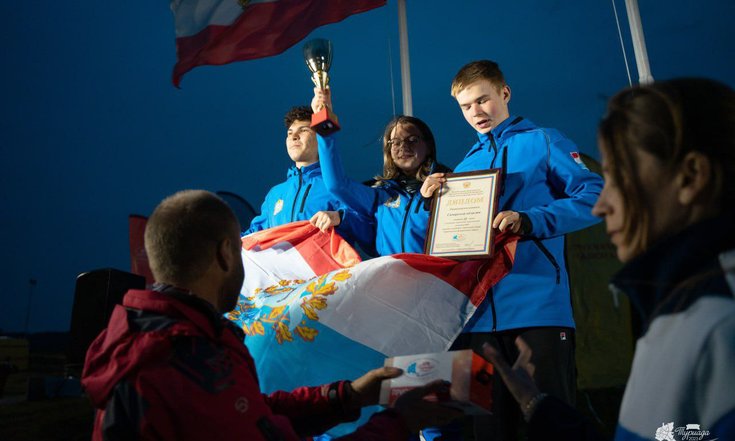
(274, 307)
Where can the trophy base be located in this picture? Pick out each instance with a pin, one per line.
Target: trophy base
(325, 122)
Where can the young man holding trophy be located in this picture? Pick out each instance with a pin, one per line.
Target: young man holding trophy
(303, 196)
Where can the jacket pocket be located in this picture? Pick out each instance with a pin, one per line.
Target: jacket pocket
(550, 257)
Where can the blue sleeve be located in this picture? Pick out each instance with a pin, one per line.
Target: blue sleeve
(360, 201)
(261, 221)
(578, 189)
(356, 227)
(358, 197)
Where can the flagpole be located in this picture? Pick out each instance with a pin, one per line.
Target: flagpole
(405, 61)
(639, 42)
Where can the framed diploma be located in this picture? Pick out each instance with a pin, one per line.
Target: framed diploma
(462, 213)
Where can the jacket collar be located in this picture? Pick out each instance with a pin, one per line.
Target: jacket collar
(508, 125)
(308, 170)
(173, 301)
(678, 270)
(409, 185)
(120, 350)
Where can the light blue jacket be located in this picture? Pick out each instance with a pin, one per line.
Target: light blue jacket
(682, 374)
(545, 181)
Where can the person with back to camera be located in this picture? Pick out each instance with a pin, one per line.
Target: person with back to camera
(668, 158)
(395, 201)
(546, 193)
(170, 367)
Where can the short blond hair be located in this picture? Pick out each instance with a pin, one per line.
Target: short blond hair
(476, 71)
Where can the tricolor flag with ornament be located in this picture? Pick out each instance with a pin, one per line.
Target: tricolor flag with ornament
(215, 32)
(314, 313)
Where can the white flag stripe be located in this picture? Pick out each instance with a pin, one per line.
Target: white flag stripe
(268, 267)
(194, 15)
(396, 309)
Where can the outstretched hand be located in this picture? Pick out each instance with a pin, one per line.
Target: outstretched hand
(418, 412)
(519, 377)
(366, 389)
(325, 220)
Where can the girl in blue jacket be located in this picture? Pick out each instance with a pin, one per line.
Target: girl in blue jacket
(401, 213)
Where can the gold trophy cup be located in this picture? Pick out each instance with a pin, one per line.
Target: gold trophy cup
(318, 58)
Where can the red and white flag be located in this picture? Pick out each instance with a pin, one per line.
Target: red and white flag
(307, 298)
(218, 32)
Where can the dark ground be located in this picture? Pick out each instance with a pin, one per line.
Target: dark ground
(42, 418)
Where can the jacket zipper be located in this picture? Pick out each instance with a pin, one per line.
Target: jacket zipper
(492, 309)
(303, 200)
(403, 226)
(494, 146)
(491, 297)
(503, 174)
(296, 198)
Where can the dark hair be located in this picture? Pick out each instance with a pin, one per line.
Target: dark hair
(476, 71)
(668, 119)
(182, 234)
(390, 170)
(298, 113)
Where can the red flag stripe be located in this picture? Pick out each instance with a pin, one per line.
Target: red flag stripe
(464, 276)
(262, 30)
(323, 252)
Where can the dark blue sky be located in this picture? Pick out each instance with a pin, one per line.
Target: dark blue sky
(91, 128)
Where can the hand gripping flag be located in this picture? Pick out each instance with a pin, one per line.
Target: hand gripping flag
(222, 31)
(313, 313)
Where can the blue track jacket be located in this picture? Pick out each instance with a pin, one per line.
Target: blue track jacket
(545, 180)
(400, 214)
(300, 197)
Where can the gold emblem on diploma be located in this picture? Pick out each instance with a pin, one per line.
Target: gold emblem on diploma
(462, 213)
(318, 58)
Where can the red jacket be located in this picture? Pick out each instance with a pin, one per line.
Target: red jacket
(170, 367)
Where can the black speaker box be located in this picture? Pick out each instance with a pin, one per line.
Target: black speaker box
(96, 294)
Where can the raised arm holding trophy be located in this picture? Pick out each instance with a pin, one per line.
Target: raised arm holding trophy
(394, 199)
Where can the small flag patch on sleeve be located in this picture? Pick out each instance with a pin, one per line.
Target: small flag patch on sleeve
(578, 159)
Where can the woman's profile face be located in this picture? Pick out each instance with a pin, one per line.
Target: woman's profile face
(660, 196)
(407, 148)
